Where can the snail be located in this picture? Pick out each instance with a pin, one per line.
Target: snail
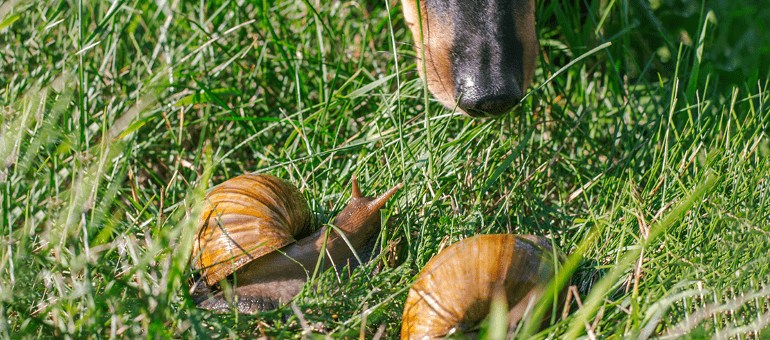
(454, 291)
(257, 231)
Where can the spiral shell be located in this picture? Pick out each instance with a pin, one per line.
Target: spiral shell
(244, 218)
(454, 290)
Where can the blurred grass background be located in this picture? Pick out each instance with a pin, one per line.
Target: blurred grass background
(642, 152)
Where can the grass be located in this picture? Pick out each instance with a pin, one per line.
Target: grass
(645, 160)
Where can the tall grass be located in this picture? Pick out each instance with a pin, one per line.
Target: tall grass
(642, 157)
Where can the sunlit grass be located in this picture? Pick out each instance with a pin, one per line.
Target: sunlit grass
(117, 116)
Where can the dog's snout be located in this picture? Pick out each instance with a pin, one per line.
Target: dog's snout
(485, 74)
(479, 56)
(479, 97)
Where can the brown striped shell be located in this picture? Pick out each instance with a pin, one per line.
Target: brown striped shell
(454, 290)
(244, 218)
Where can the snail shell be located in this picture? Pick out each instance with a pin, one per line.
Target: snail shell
(454, 290)
(247, 217)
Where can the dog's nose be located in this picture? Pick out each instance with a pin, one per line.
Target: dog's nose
(484, 98)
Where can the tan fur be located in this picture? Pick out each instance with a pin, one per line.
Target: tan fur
(436, 44)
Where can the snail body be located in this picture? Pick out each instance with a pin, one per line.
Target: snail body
(454, 290)
(257, 229)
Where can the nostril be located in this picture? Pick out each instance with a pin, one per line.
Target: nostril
(477, 103)
(481, 92)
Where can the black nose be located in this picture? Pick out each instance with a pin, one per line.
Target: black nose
(481, 102)
(481, 97)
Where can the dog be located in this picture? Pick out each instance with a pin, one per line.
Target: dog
(477, 56)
